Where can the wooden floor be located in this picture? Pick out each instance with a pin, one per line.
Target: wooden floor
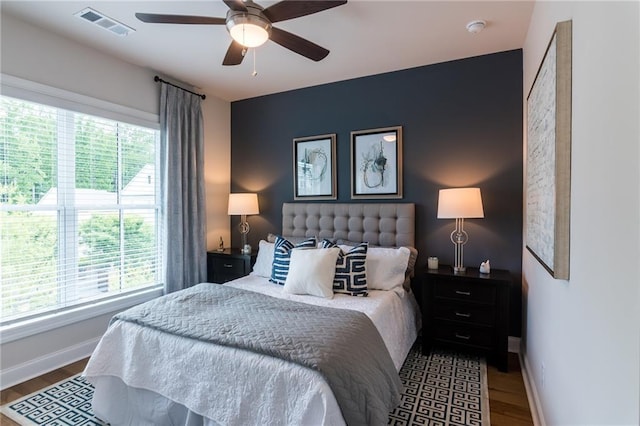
(507, 397)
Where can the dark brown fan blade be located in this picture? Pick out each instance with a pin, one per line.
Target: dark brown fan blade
(237, 5)
(298, 44)
(289, 9)
(234, 54)
(179, 19)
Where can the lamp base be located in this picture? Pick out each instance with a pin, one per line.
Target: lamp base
(459, 238)
(245, 248)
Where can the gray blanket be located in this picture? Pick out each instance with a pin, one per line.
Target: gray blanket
(343, 345)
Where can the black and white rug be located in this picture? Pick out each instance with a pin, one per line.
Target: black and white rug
(440, 389)
(443, 389)
(64, 403)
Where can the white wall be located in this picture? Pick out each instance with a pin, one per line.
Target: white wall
(41, 56)
(586, 331)
(217, 169)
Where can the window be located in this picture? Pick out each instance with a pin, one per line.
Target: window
(80, 209)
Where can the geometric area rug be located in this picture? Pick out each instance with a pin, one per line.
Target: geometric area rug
(443, 389)
(67, 402)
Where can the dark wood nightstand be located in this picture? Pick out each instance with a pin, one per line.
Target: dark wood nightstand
(467, 311)
(227, 265)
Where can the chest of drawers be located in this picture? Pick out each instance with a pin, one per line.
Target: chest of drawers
(467, 311)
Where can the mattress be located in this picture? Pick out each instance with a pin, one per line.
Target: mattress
(143, 376)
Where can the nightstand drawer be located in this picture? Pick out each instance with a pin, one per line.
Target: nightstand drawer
(227, 265)
(461, 312)
(228, 268)
(464, 335)
(475, 292)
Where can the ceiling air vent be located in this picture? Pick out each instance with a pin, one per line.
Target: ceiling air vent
(103, 21)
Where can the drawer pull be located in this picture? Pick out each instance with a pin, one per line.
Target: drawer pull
(228, 265)
(463, 315)
(462, 336)
(463, 293)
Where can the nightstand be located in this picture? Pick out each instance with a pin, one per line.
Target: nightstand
(227, 265)
(467, 311)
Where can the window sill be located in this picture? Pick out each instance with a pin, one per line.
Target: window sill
(22, 329)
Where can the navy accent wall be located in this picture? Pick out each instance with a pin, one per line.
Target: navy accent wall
(462, 126)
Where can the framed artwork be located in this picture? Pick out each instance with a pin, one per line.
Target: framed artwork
(314, 168)
(376, 163)
(548, 177)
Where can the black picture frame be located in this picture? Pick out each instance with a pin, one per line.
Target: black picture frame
(314, 167)
(376, 163)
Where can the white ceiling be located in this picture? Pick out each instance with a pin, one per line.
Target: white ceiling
(364, 37)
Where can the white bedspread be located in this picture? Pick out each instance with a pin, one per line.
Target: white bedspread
(226, 385)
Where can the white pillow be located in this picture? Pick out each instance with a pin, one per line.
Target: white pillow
(386, 267)
(264, 260)
(312, 271)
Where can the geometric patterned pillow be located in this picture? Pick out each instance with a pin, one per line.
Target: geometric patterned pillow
(351, 273)
(282, 257)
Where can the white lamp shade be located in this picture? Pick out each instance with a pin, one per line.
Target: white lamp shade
(249, 35)
(457, 203)
(240, 204)
(249, 30)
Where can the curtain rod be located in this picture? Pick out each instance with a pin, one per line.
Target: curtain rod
(156, 79)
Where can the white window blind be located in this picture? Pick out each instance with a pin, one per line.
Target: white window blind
(79, 209)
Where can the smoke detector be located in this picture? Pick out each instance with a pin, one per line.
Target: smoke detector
(474, 27)
(104, 22)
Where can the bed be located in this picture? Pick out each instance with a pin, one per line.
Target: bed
(146, 375)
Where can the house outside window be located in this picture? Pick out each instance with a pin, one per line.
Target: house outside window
(80, 209)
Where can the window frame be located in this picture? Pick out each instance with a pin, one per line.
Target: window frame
(38, 93)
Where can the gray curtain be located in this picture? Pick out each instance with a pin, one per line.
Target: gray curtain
(182, 173)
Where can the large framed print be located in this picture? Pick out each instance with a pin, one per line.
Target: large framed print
(376, 163)
(548, 177)
(314, 167)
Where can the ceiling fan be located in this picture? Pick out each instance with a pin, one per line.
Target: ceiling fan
(250, 25)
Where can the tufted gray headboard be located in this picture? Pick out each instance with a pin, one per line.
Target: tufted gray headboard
(383, 224)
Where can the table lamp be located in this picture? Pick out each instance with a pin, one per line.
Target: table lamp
(459, 204)
(242, 205)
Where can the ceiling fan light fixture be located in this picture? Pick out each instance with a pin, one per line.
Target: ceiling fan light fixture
(249, 25)
(249, 30)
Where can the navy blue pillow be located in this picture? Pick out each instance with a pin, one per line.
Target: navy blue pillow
(282, 257)
(351, 273)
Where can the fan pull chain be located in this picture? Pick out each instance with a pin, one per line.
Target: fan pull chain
(254, 73)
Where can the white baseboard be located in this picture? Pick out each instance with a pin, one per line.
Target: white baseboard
(532, 393)
(39, 366)
(514, 344)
